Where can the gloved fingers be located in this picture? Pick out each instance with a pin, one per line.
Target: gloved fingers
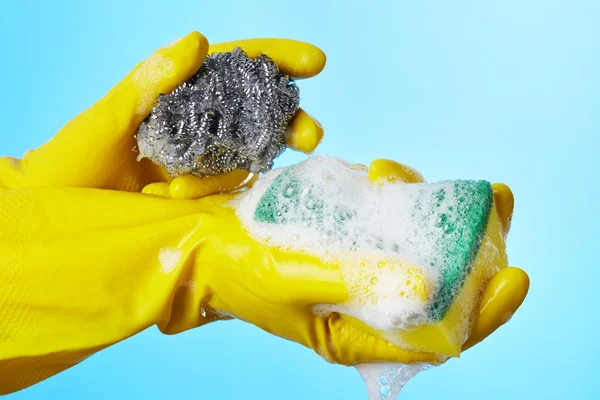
(304, 133)
(191, 187)
(382, 170)
(157, 189)
(294, 58)
(343, 343)
(505, 202)
(91, 150)
(502, 296)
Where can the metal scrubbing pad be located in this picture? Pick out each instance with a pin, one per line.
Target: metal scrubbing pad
(232, 114)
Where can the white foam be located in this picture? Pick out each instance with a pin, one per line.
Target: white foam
(169, 258)
(147, 77)
(388, 256)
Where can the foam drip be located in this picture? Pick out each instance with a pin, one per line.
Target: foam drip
(385, 381)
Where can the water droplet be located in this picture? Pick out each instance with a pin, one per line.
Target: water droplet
(374, 280)
(449, 228)
(383, 380)
(381, 264)
(441, 221)
(291, 191)
(385, 390)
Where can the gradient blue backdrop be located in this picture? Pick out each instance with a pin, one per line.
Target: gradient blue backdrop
(501, 90)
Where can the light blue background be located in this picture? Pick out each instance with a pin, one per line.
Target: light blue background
(506, 91)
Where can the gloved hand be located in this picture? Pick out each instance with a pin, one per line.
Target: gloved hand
(95, 149)
(86, 268)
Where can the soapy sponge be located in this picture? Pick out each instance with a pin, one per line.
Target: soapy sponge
(232, 114)
(461, 224)
(414, 257)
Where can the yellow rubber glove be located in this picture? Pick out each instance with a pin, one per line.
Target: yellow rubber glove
(85, 268)
(95, 149)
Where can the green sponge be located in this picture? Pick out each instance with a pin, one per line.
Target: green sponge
(455, 214)
(463, 227)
